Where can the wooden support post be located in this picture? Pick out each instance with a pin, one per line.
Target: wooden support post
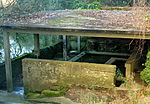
(65, 47)
(36, 45)
(77, 57)
(79, 44)
(8, 66)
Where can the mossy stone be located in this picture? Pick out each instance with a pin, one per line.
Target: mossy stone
(33, 95)
(58, 92)
(56, 88)
(49, 93)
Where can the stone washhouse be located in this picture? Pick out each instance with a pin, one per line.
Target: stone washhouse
(41, 74)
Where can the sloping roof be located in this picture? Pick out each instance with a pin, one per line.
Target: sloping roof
(81, 18)
(105, 20)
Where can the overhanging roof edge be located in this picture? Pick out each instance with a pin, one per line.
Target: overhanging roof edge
(39, 28)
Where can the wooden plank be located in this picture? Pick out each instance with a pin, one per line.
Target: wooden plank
(79, 43)
(108, 53)
(36, 45)
(65, 47)
(121, 59)
(77, 56)
(95, 32)
(8, 65)
(110, 61)
(113, 59)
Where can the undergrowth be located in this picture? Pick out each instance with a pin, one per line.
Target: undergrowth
(145, 74)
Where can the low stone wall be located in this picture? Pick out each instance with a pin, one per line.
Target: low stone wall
(42, 74)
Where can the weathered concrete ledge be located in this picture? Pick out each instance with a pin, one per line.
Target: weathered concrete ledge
(42, 74)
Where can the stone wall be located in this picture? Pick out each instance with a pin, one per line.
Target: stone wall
(42, 74)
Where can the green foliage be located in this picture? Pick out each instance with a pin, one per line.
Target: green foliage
(94, 5)
(147, 17)
(145, 74)
(79, 4)
(67, 4)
